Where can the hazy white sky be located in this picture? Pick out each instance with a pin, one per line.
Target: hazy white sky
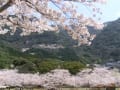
(110, 10)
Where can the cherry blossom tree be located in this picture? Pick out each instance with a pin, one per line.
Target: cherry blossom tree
(49, 15)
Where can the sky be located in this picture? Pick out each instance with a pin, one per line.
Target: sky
(111, 10)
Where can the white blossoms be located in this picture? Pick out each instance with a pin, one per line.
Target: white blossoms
(47, 15)
(60, 77)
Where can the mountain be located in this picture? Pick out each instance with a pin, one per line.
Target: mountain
(51, 50)
(48, 37)
(107, 43)
(46, 52)
(10, 56)
(49, 44)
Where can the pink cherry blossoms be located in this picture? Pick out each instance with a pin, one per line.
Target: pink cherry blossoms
(46, 15)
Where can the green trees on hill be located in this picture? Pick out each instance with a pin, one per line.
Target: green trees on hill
(73, 66)
(104, 47)
(107, 44)
(44, 66)
(26, 63)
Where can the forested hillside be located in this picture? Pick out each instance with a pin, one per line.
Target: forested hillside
(107, 44)
(53, 48)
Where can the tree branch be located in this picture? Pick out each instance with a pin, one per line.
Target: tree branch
(5, 6)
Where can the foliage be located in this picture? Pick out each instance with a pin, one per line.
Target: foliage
(28, 67)
(44, 60)
(106, 44)
(47, 66)
(74, 66)
(48, 37)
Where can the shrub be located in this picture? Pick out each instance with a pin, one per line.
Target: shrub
(19, 62)
(74, 66)
(48, 65)
(27, 68)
